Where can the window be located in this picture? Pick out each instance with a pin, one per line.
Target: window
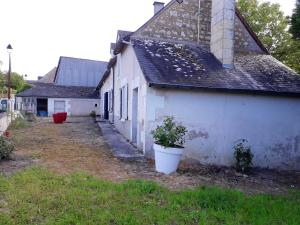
(59, 106)
(124, 102)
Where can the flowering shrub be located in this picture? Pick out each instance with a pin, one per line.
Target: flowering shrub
(6, 148)
(243, 156)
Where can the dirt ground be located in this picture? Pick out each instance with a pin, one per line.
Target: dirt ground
(78, 146)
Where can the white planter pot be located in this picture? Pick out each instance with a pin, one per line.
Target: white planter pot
(166, 159)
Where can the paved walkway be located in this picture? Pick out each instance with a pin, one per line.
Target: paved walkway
(121, 148)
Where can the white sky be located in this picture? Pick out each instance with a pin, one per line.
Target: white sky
(42, 30)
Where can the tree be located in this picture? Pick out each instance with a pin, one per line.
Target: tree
(18, 83)
(271, 26)
(267, 21)
(295, 22)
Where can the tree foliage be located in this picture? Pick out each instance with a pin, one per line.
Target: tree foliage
(267, 21)
(295, 22)
(18, 83)
(271, 26)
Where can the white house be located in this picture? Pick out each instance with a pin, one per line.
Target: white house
(70, 88)
(210, 72)
(46, 99)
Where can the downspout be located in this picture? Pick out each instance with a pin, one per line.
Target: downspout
(199, 13)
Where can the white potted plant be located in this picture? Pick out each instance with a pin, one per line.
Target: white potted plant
(168, 145)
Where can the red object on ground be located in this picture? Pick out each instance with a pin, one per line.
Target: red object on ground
(64, 116)
(7, 134)
(59, 117)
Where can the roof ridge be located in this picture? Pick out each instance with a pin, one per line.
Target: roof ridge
(69, 57)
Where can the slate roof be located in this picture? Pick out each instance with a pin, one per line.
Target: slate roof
(79, 72)
(49, 77)
(122, 36)
(174, 65)
(43, 90)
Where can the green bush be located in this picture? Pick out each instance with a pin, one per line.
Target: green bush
(6, 148)
(169, 134)
(243, 156)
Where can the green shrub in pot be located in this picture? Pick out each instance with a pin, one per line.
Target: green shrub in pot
(169, 134)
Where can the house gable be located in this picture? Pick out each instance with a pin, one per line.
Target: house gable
(179, 22)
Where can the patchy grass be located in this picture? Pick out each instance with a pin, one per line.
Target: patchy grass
(37, 196)
(18, 123)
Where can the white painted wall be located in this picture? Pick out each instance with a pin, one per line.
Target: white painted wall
(84, 107)
(216, 121)
(76, 107)
(128, 72)
(4, 122)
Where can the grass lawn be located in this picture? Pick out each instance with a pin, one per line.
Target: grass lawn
(36, 196)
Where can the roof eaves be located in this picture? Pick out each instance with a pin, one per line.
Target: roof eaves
(110, 64)
(225, 90)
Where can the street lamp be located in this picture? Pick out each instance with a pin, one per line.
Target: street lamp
(9, 104)
(9, 50)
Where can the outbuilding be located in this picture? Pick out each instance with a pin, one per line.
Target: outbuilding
(71, 88)
(46, 99)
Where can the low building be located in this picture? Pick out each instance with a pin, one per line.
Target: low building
(71, 88)
(212, 74)
(47, 99)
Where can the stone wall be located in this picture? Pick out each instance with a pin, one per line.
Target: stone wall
(179, 22)
(222, 31)
(244, 42)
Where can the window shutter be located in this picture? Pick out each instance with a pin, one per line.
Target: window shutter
(126, 102)
(110, 101)
(121, 103)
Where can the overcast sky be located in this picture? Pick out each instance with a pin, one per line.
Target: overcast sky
(42, 30)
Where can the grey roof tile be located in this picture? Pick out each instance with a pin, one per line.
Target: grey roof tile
(43, 90)
(49, 77)
(79, 72)
(169, 64)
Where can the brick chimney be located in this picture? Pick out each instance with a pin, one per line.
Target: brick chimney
(222, 31)
(158, 6)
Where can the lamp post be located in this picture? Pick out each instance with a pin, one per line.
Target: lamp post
(9, 104)
(9, 50)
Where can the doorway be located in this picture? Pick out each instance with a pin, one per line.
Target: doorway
(59, 106)
(106, 110)
(42, 107)
(135, 100)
